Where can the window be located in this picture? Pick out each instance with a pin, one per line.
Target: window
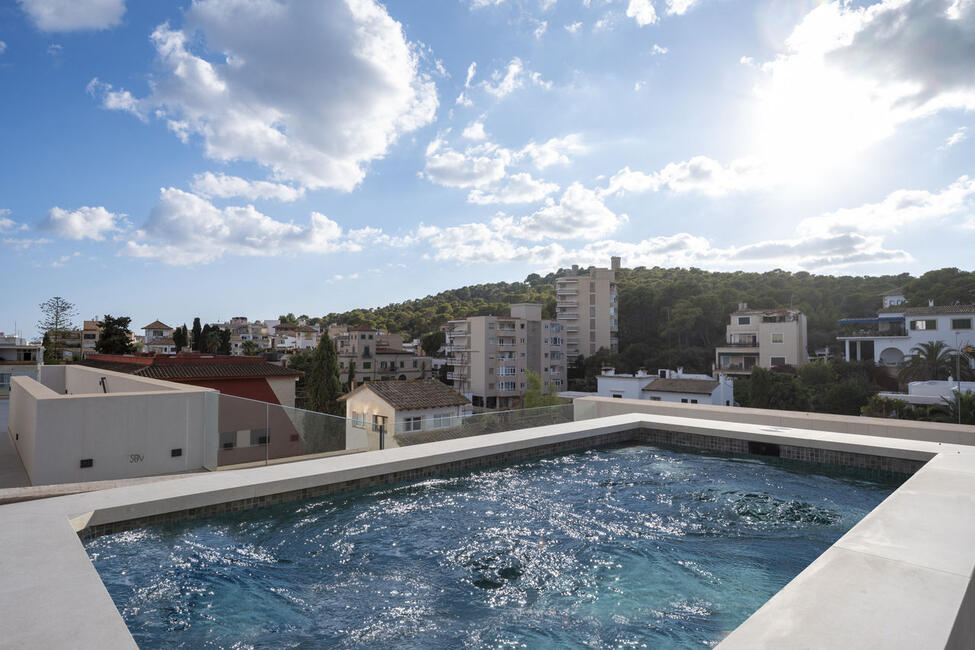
(258, 437)
(358, 419)
(402, 364)
(778, 337)
(618, 395)
(378, 422)
(412, 424)
(5, 379)
(961, 323)
(744, 320)
(414, 363)
(490, 326)
(654, 399)
(683, 400)
(382, 365)
(441, 420)
(228, 439)
(777, 361)
(693, 401)
(363, 337)
(927, 324)
(367, 365)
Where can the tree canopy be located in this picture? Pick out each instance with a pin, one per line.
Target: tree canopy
(116, 337)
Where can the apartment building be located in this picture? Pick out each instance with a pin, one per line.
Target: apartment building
(18, 358)
(587, 309)
(90, 333)
(491, 355)
(888, 338)
(764, 338)
(378, 355)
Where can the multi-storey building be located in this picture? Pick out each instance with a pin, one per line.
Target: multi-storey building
(491, 355)
(378, 355)
(897, 329)
(159, 338)
(587, 309)
(762, 337)
(18, 358)
(90, 333)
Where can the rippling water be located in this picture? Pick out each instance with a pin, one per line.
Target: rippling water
(625, 547)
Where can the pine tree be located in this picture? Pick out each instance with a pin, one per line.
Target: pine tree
(58, 313)
(324, 386)
(116, 337)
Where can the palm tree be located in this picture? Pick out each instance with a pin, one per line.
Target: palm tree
(928, 361)
(958, 409)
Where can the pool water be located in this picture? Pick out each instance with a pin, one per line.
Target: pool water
(623, 547)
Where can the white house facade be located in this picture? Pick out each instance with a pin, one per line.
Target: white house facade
(888, 338)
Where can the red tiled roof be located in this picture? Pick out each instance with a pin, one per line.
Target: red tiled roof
(190, 367)
(362, 327)
(157, 325)
(412, 394)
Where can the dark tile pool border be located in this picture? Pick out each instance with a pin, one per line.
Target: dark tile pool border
(884, 464)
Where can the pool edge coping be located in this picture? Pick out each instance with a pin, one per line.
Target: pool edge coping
(52, 572)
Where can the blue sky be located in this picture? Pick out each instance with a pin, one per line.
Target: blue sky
(254, 157)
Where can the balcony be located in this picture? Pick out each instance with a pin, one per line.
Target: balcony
(568, 315)
(566, 292)
(568, 303)
(456, 376)
(572, 341)
(572, 329)
(740, 344)
(872, 328)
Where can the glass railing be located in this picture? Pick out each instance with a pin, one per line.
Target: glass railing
(253, 432)
(434, 429)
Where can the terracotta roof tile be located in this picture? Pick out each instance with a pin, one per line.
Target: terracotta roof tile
(924, 311)
(696, 386)
(413, 394)
(157, 325)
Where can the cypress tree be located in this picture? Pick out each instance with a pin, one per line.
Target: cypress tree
(324, 386)
(196, 338)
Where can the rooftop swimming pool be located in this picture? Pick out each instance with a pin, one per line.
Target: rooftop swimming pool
(623, 547)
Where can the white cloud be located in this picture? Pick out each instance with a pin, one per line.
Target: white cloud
(958, 136)
(72, 15)
(638, 85)
(3, 47)
(699, 174)
(471, 71)
(250, 99)
(464, 100)
(222, 186)
(659, 49)
(851, 75)
(507, 82)
(475, 131)
(540, 28)
(478, 166)
(480, 4)
(64, 258)
(7, 224)
(553, 152)
(578, 214)
(573, 28)
(898, 209)
(679, 7)
(185, 229)
(116, 100)
(84, 223)
(520, 188)
(54, 50)
(25, 243)
(642, 12)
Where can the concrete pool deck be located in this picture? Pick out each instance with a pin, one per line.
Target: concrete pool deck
(900, 578)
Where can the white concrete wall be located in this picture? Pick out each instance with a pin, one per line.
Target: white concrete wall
(284, 389)
(126, 435)
(630, 387)
(585, 408)
(368, 403)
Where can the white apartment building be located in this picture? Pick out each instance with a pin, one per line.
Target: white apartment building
(762, 337)
(18, 358)
(491, 355)
(667, 386)
(587, 309)
(888, 338)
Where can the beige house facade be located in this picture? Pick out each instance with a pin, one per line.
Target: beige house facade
(762, 338)
(491, 355)
(588, 309)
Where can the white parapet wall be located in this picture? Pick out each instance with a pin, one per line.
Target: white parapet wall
(76, 427)
(585, 408)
